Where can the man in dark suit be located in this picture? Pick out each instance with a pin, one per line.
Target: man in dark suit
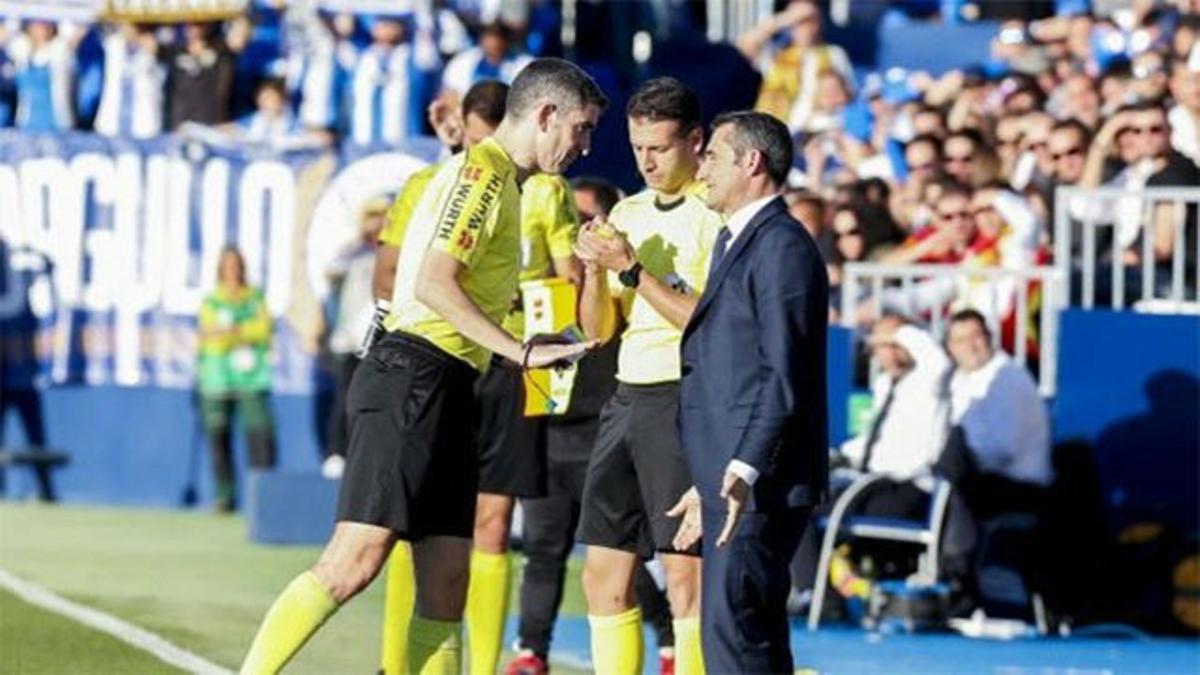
(753, 414)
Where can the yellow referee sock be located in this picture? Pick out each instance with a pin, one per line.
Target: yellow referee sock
(434, 647)
(617, 647)
(487, 609)
(398, 600)
(296, 614)
(689, 660)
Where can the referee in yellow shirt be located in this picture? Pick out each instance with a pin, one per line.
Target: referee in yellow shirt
(654, 266)
(482, 110)
(512, 447)
(411, 469)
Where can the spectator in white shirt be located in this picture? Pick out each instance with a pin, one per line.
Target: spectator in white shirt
(386, 89)
(320, 61)
(272, 121)
(1184, 116)
(132, 100)
(910, 408)
(998, 450)
(496, 58)
(908, 430)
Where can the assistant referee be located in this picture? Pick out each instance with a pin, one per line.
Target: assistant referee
(412, 466)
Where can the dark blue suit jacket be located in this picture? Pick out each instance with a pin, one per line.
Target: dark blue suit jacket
(753, 384)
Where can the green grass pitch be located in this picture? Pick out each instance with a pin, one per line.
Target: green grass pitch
(191, 577)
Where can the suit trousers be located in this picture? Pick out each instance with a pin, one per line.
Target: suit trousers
(744, 627)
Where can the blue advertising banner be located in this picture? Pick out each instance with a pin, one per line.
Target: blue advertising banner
(108, 246)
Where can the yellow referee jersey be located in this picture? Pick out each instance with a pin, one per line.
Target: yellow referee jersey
(549, 223)
(674, 243)
(401, 210)
(470, 210)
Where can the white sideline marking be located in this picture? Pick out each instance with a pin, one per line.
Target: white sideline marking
(107, 623)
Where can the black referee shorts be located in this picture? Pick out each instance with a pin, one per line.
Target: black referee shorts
(512, 447)
(412, 463)
(636, 473)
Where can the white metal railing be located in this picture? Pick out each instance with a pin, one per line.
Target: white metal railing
(916, 290)
(1127, 215)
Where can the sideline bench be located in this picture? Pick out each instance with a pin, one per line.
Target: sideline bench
(42, 460)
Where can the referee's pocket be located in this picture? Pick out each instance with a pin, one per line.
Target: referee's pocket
(424, 390)
(376, 383)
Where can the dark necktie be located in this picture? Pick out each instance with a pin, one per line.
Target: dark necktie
(876, 428)
(719, 248)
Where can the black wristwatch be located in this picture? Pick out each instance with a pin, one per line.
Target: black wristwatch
(630, 277)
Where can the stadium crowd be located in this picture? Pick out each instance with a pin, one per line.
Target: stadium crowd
(896, 167)
(900, 167)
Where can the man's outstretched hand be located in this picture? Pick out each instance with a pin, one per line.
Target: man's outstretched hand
(734, 491)
(690, 530)
(547, 355)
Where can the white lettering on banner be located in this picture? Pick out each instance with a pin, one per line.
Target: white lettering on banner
(46, 219)
(112, 247)
(10, 216)
(268, 186)
(214, 227)
(136, 244)
(181, 295)
(98, 290)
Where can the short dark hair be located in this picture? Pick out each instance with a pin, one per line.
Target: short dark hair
(486, 99)
(929, 109)
(1072, 124)
(965, 315)
(555, 80)
(606, 194)
(666, 98)
(497, 28)
(976, 138)
(763, 133)
(930, 139)
(954, 188)
(805, 196)
(1149, 105)
(275, 84)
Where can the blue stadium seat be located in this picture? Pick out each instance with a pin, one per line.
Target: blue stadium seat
(927, 533)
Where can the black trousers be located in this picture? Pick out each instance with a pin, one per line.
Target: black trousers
(986, 494)
(744, 623)
(27, 403)
(550, 525)
(218, 412)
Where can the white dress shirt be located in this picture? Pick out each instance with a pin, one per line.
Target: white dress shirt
(736, 225)
(1185, 132)
(1004, 420)
(912, 434)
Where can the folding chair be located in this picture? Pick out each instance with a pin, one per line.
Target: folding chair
(927, 534)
